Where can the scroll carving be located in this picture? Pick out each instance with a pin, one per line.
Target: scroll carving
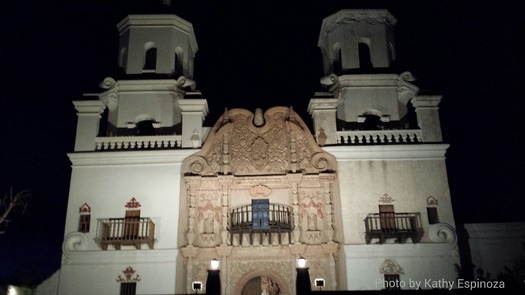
(282, 144)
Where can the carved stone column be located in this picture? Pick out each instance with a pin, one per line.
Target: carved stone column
(225, 182)
(328, 206)
(294, 180)
(192, 210)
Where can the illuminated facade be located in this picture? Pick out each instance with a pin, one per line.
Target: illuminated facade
(156, 195)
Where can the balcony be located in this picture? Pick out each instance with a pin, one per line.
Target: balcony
(126, 231)
(119, 143)
(261, 219)
(399, 226)
(370, 137)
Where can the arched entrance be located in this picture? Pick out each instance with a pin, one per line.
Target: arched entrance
(261, 282)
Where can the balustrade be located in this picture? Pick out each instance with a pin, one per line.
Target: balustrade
(275, 218)
(138, 142)
(379, 137)
(126, 231)
(393, 225)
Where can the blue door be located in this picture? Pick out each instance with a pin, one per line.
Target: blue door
(260, 214)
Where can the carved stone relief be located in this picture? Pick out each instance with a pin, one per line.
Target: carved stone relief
(391, 267)
(282, 144)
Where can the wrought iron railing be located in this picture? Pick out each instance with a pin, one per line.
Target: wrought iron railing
(126, 231)
(370, 137)
(276, 219)
(393, 225)
(138, 142)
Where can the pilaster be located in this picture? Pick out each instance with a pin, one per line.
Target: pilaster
(323, 111)
(427, 110)
(194, 112)
(88, 121)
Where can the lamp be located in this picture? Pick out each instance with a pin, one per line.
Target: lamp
(301, 262)
(214, 264)
(302, 282)
(213, 282)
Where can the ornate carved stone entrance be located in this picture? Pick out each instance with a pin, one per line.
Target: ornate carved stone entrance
(260, 194)
(261, 282)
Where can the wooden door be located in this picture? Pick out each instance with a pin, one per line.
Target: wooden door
(131, 225)
(387, 218)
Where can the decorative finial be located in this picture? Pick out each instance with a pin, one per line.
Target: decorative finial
(258, 119)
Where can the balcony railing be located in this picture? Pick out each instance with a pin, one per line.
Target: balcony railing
(126, 231)
(393, 225)
(138, 142)
(379, 137)
(274, 219)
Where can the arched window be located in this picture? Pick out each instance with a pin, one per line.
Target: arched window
(84, 219)
(372, 122)
(150, 59)
(338, 59)
(365, 63)
(145, 128)
(179, 62)
(122, 56)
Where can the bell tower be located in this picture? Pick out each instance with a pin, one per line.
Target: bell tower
(159, 44)
(357, 39)
(156, 96)
(358, 51)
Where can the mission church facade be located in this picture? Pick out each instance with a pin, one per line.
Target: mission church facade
(156, 195)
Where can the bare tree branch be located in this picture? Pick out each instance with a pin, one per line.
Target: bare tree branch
(9, 202)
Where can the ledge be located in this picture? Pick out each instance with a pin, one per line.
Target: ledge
(130, 157)
(388, 152)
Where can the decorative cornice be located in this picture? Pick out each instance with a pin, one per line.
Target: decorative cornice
(167, 20)
(132, 204)
(389, 152)
(161, 157)
(431, 201)
(390, 266)
(128, 276)
(260, 190)
(345, 16)
(386, 199)
(84, 209)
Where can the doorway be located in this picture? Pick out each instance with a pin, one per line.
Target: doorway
(261, 285)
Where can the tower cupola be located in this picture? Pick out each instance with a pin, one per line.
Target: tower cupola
(353, 39)
(157, 44)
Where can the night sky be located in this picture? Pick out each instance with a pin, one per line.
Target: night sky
(254, 54)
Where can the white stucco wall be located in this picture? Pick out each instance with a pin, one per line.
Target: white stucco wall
(107, 182)
(408, 177)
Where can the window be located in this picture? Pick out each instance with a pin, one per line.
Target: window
(392, 282)
(260, 214)
(84, 218)
(365, 62)
(372, 122)
(150, 60)
(432, 215)
(128, 288)
(145, 128)
(83, 225)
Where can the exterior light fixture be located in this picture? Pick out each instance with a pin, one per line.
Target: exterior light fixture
(302, 282)
(319, 283)
(214, 264)
(301, 262)
(196, 286)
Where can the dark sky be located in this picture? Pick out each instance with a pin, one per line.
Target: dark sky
(254, 54)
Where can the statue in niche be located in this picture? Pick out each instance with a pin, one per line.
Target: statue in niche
(312, 221)
(209, 224)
